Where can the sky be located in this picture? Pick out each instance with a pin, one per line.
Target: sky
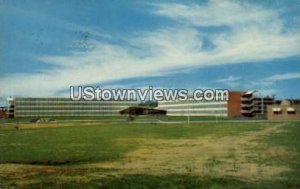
(48, 46)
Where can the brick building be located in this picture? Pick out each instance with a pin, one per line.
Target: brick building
(287, 110)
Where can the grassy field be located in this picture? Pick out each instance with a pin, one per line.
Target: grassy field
(136, 155)
(119, 118)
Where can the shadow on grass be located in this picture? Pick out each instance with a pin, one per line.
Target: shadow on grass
(52, 163)
(139, 181)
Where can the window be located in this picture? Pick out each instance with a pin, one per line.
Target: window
(276, 111)
(291, 110)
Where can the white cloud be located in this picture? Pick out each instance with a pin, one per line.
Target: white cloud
(270, 82)
(268, 92)
(286, 76)
(216, 13)
(228, 79)
(266, 86)
(255, 34)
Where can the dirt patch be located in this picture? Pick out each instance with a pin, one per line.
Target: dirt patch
(205, 156)
(200, 156)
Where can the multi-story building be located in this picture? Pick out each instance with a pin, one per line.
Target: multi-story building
(55, 107)
(194, 108)
(252, 105)
(3, 112)
(239, 104)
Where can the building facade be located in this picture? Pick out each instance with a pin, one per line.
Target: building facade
(3, 112)
(287, 110)
(58, 107)
(253, 105)
(194, 108)
(239, 104)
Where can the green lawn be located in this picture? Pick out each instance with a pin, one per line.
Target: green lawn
(75, 144)
(138, 118)
(68, 157)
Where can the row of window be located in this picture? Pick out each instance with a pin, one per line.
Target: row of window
(21, 111)
(194, 106)
(71, 103)
(197, 114)
(162, 103)
(50, 114)
(70, 108)
(277, 113)
(289, 110)
(62, 100)
(197, 111)
(66, 115)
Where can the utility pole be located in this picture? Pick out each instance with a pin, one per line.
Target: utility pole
(262, 105)
(188, 113)
(273, 96)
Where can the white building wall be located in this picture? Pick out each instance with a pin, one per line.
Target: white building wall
(194, 108)
(51, 107)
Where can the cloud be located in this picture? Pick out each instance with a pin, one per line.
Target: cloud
(216, 13)
(268, 82)
(286, 76)
(230, 81)
(254, 34)
(268, 92)
(267, 86)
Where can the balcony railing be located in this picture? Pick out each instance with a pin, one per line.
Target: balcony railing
(247, 111)
(247, 105)
(247, 98)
